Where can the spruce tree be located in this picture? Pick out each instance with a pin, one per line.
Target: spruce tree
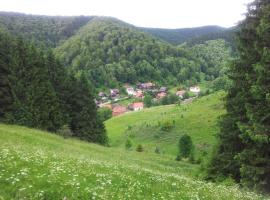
(85, 122)
(244, 139)
(6, 98)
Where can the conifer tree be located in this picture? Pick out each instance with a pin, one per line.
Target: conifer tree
(5, 90)
(84, 119)
(244, 139)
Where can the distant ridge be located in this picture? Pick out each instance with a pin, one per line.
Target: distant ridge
(178, 36)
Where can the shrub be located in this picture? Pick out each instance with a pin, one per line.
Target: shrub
(128, 144)
(104, 114)
(139, 148)
(157, 150)
(167, 126)
(186, 146)
(65, 131)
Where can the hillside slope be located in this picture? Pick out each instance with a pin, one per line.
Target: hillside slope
(38, 165)
(44, 30)
(198, 119)
(111, 51)
(178, 36)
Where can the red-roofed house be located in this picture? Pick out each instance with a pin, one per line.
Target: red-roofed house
(118, 110)
(136, 106)
(161, 95)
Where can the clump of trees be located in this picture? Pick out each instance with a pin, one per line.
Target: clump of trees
(37, 91)
(243, 151)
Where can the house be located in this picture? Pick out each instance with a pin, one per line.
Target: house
(180, 93)
(161, 95)
(130, 91)
(101, 94)
(139, 94)
(136, 106)
(163, 89)
(118, 110)
(146, 86)
(114, 92)
(195, 89)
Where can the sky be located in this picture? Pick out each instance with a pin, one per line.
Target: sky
(143, 13)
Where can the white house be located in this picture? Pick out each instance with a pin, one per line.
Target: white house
(195, 89)
(130, 91)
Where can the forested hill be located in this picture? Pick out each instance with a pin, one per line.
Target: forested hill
(178, 36)
(114, 52)
(52, 30)
(47, 30)
(111, 52)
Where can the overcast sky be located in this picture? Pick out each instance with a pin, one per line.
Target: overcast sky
(145, 13)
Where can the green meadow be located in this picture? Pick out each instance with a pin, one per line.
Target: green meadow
(198, 119)
(39, 165)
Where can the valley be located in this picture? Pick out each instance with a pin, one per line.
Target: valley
(93, 107)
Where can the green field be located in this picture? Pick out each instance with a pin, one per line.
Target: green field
(39, 165)
(198, 119)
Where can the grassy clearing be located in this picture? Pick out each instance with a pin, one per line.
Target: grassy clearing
(39, 165)
(198, 119)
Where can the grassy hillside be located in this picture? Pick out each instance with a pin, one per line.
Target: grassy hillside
(39, 165)
(198, 119)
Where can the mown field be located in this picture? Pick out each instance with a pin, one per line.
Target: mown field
(198, 119)
(39, 165)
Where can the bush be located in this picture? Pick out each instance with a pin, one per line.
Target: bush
(139, 148)
(167, 126)
(128, 144)
(178, 158)
(65, 131)
(186, 146)
(104, 114)
(157, 150)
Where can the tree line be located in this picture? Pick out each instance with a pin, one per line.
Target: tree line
(37, 91)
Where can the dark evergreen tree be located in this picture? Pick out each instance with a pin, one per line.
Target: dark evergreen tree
(85, 122)
(244, 139)
(185, 146)
(6, 98)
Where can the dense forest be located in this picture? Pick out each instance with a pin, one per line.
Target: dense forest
(37, 91)
(243, 152)
(44, 30)
(110, 52)
(113, 52)
(179, 36)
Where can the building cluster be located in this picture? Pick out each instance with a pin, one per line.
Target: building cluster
(137, 93)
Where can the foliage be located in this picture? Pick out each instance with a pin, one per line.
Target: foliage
(65, 131)
(104, 114)
(166, 126)
(44, 30)
(185, 146)
(139, 148)
(128, 144)
(113, 52)
(147, 100)
(243, 150)
(178, 36)
(37, 91)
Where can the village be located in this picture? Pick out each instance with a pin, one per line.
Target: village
(133, 97)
